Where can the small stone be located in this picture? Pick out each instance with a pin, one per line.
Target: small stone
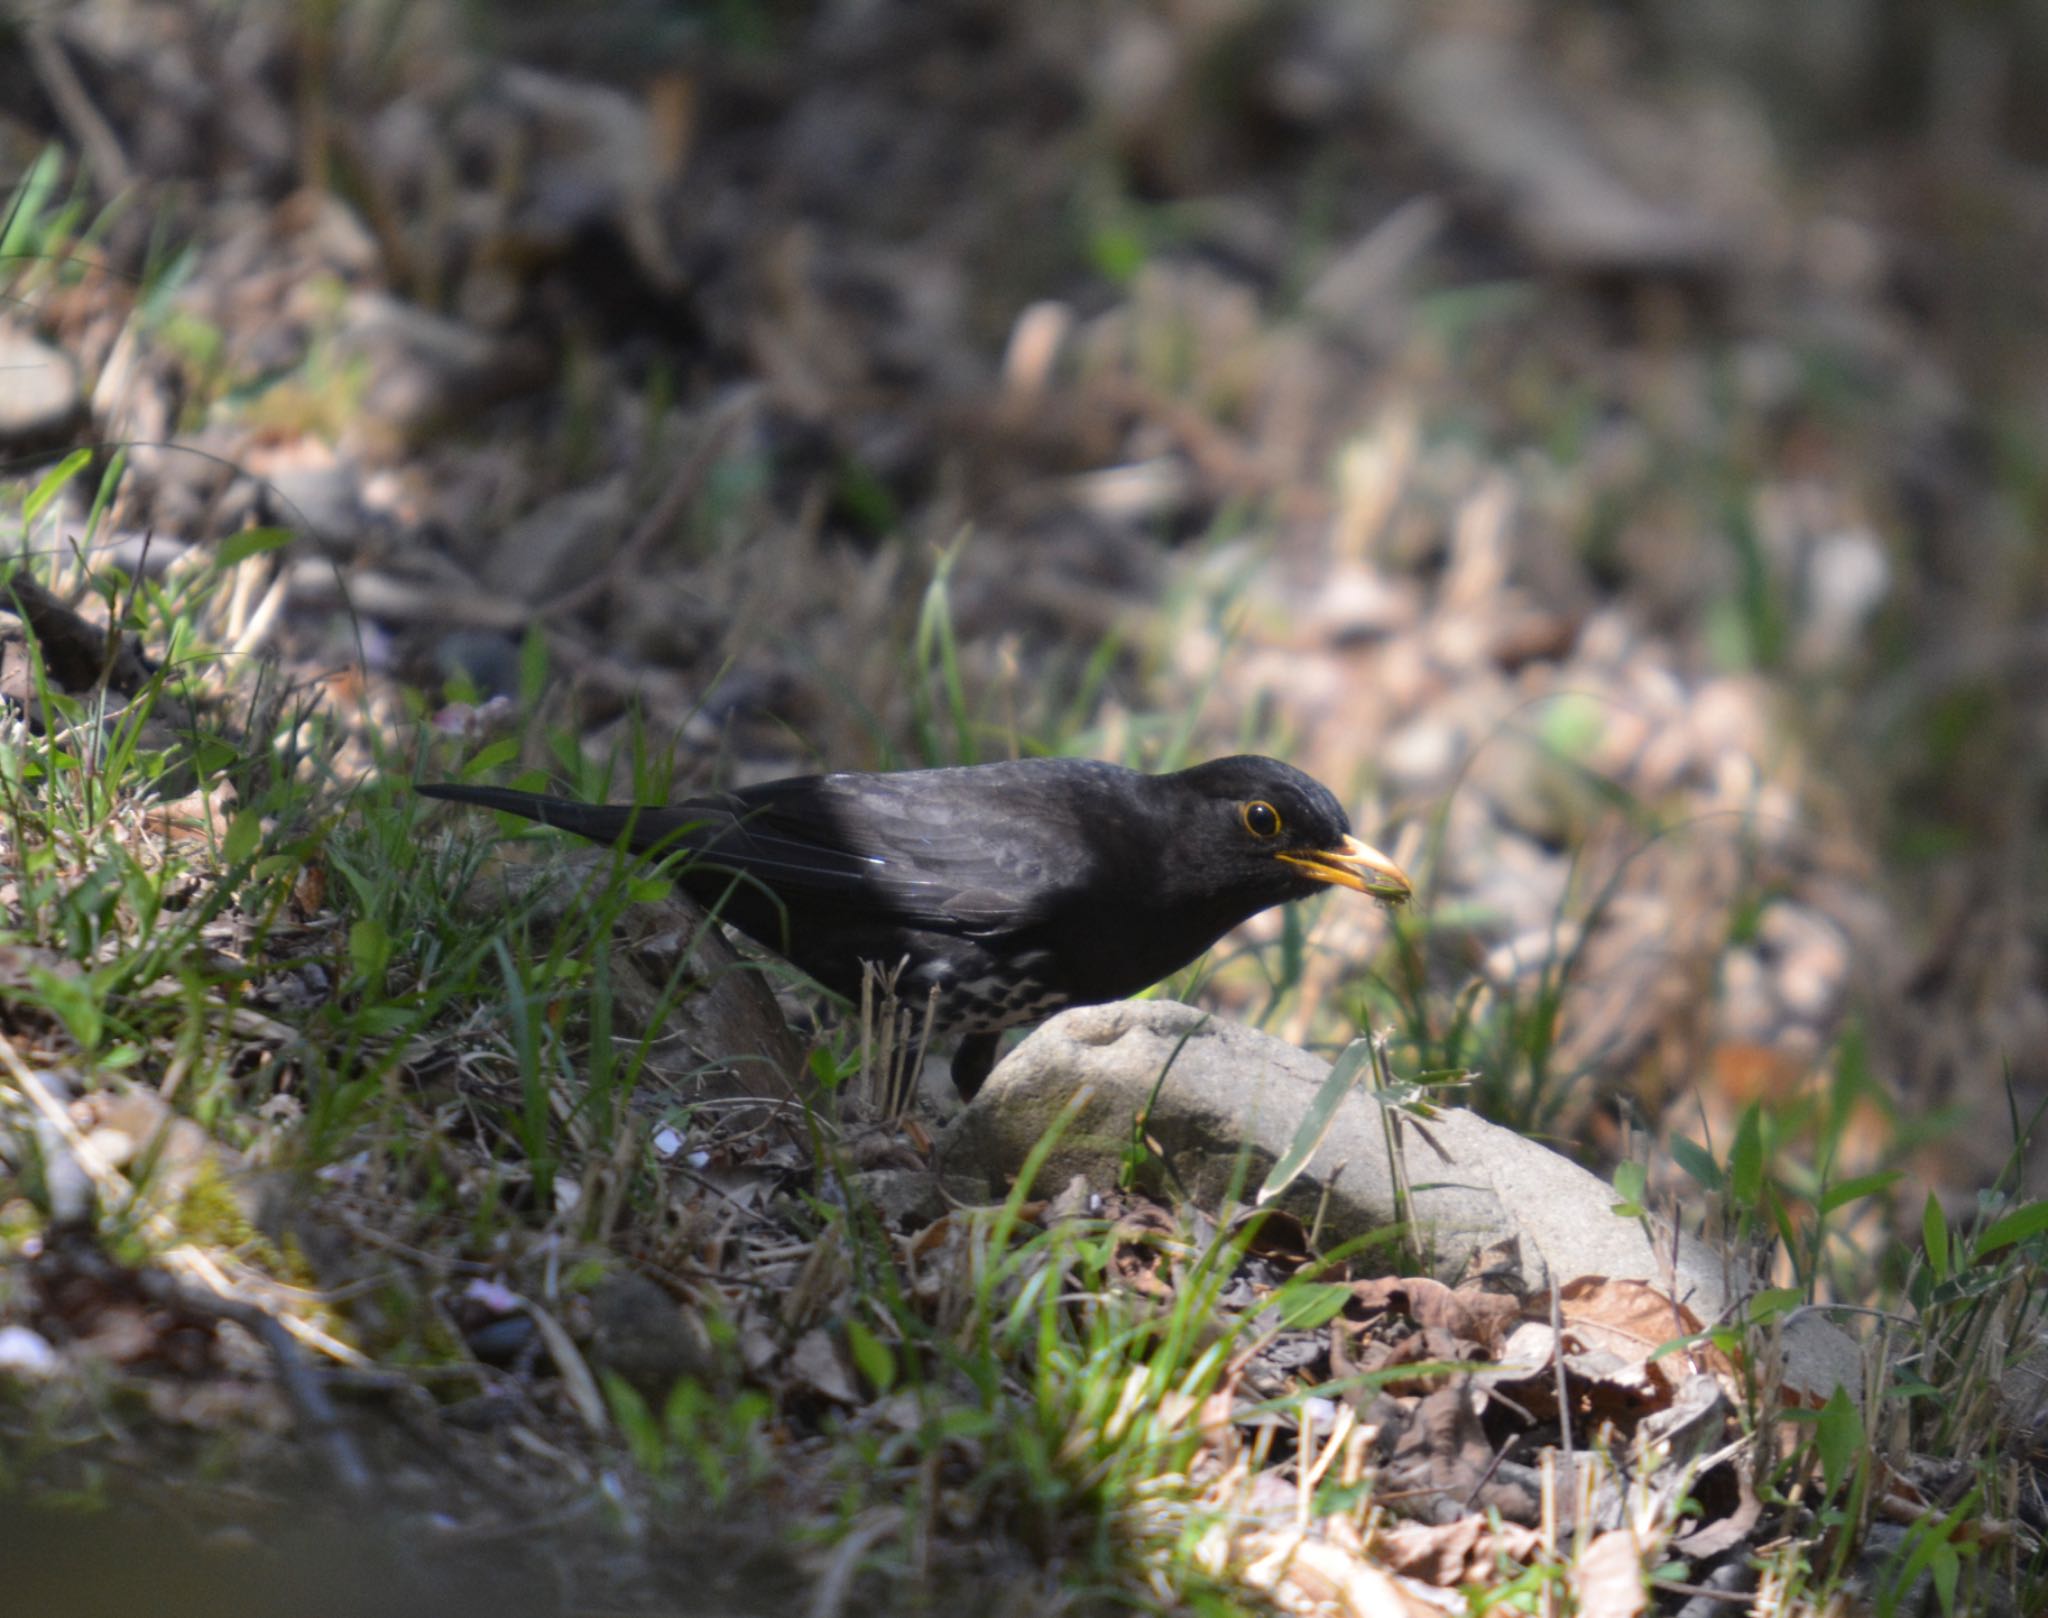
(320, 498)
(1528, 954)
(646, 1336)
(24, 1353)
(1749, 1013)
(490, 663)
(560, 542)
(906, 1199)
(1361, 605)
(41, 398)
(1811, 959)
(1420, 754)
(1847, 579)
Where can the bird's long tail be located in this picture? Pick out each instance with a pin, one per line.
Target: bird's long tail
(642, 826)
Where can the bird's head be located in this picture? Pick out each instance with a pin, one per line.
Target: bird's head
(1281, 834)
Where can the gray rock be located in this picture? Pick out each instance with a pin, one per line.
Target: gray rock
(560, 542)
(324, 501)
(39, 392)
(904, 1199)
(490, 662)
(1227, 1110)
(1227, 1113)
(647, 1337)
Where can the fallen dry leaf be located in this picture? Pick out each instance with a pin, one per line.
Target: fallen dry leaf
(814, 1365)
(1482, 1318)
(1609, 1576)
(1467, 1551)
(1315, 1575)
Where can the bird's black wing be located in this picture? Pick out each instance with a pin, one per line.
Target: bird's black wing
(971, 851)
(976, 851)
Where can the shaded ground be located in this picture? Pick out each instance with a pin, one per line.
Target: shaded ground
(1610, 467)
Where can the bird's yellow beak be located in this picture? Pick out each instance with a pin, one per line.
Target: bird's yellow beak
(1356, 865)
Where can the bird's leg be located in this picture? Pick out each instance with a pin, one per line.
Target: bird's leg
(972, 1062)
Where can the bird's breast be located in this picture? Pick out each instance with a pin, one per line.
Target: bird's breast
(989, 1005)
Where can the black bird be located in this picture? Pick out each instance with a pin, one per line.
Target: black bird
(1015, 889)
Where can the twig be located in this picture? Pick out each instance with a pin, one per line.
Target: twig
(1564, 1389)
(308, 1398)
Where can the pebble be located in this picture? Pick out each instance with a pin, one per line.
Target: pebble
(25, 1353)
(1528, 954)
(1421, 754)
(321, 499)
(1847, 579)
(561, 541)
(1748, 1012)
(1811, 959)
(41, 398)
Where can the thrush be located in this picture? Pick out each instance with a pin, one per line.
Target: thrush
(1012, 890)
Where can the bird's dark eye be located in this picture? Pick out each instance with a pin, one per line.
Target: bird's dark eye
(1261, 819)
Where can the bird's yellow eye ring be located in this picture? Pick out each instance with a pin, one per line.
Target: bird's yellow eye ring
(1260, 818)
